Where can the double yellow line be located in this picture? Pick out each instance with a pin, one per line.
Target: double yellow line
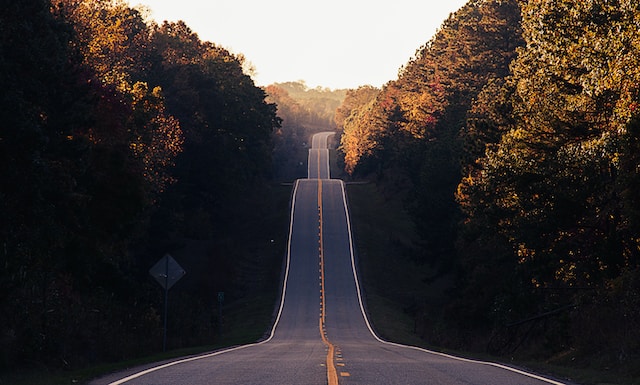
(332, 373)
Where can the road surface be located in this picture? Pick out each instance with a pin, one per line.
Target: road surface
(321, 335)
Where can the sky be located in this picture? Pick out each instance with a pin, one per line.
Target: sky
(327, 43)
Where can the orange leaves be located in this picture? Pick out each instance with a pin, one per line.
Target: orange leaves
(114, 42)
(156, 136)
(111, 37)
(475, 45)
(357, 118)
(360, 135)
(550, 177)
(422, 109)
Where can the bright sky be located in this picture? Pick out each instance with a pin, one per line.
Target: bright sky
(328, 43)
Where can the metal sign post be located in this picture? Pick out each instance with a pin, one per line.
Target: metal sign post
(167, 272)
(220, 302)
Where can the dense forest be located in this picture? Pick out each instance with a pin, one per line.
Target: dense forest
(512, 137)
(122, 140)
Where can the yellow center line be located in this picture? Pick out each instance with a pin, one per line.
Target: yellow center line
(319, 176)
(332, 373)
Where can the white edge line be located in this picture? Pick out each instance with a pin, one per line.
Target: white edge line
(273, 330)
(366, 319)
(326, 145)
(325, 136)
(328, 165)
(309, 164)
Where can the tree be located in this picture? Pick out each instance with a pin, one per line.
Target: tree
(112, 38)
(88, 144)
(550, 178)
(475, 46)
(354, 99)
(562, 153)
(156, 136)
(414, 138)
(69, 208)
(359, 121)
(226, 123)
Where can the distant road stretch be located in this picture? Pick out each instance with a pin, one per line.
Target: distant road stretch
(321, 335)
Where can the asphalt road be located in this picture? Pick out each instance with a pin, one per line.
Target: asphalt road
(321, 335)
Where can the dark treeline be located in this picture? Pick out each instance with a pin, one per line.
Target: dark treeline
(120, 140)
(512, 138)
(303, 111)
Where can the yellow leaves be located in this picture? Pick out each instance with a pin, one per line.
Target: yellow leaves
(588, 49)
(111, 36)
(536, 283)
(525, 254)
(553, 184)
(139, 91)
(361, 130)
(355, 142)
(157, 92)
(566, 272)
(157, 137)
(137, 147)
(421, 111)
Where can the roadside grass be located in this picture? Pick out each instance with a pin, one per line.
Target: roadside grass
(249, 319)
(384, 241)
(581, 375)
(83, 376)
(42, 376)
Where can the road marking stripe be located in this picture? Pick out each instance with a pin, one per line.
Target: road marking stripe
(319, 178)
(332, 373)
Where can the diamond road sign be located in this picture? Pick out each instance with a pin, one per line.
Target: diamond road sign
(167, 271)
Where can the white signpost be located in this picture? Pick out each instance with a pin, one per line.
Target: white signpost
(167, 272)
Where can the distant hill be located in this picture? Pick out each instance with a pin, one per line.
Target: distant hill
(303, 112)
(318, 104)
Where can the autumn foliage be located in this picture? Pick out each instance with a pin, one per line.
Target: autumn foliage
(117, 137)
(512, 136)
